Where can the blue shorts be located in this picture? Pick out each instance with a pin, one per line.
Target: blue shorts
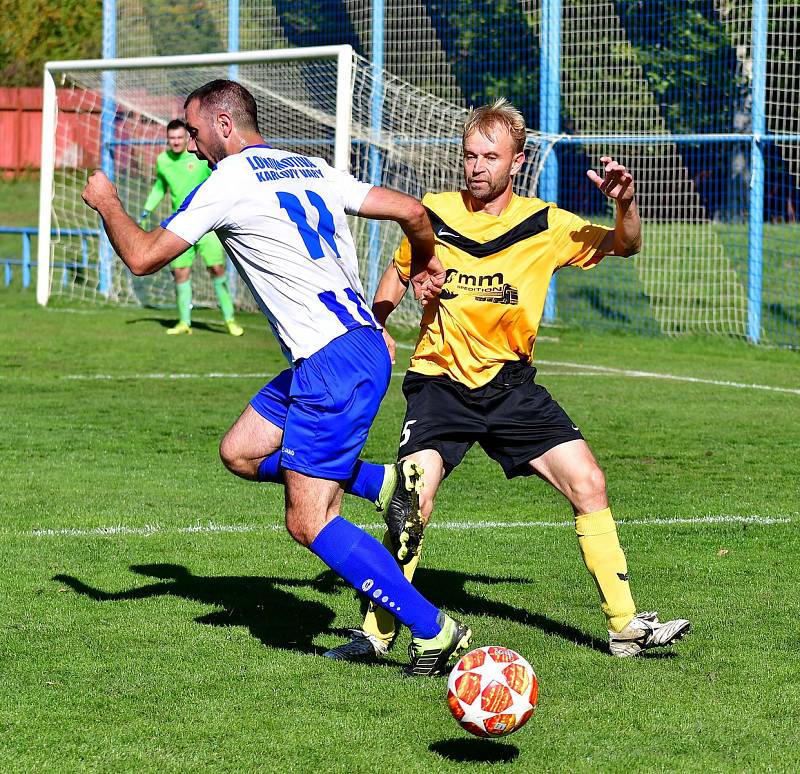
(327, 404)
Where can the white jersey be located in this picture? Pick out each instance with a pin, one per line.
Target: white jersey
(281, 218)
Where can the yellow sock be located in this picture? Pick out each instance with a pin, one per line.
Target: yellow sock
(378, 621)
(605, 560)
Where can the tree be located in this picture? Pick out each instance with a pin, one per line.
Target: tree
(36, 31)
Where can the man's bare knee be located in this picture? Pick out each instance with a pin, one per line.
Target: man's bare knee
(588, 490)
(299, 528)
(294, 526)
(593, 482)
(236, 462)
(310, 504)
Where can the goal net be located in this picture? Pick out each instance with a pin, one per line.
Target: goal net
(698, 99)
(326, 102)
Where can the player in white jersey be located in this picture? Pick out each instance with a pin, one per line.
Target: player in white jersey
(282, 219)
(290, 240)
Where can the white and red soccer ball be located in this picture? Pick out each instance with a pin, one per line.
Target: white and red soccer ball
(492, 691)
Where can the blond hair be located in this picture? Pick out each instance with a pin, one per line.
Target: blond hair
(501, 113)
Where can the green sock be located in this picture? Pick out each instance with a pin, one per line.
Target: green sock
(224, 297)
(183, 295)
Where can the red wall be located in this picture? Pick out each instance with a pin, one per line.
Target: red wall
(79, 137)
(21, 130)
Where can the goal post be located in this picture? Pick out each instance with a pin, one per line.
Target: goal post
(93, 126)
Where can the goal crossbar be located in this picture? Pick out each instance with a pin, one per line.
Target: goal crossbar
(343, 54)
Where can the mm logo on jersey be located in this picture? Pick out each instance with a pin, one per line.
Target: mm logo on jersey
(495, 289)
(473, 280)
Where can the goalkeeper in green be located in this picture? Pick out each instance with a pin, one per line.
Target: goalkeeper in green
(181, 172)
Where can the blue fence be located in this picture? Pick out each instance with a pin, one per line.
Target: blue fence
(70, 271)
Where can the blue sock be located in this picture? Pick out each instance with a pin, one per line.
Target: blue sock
(366, 481)
(269, 468)
(369, 568)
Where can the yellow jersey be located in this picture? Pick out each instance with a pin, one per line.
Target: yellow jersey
(497, 272)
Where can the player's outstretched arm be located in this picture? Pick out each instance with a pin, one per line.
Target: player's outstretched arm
(390, 292)
(617, 184)
(143, 252)
(157, 193)
(427, 274)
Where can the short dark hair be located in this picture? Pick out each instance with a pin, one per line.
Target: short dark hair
(229, 96)
(176, 123)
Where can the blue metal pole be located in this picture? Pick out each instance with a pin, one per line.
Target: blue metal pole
(755, 233)
(107, 115)
(376, 116)
(233, 36)
(85, 255)
(26, 259)
(550, 115)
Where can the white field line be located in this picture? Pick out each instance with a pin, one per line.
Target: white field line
(450, 526)
(168, 377)
(579, 369)
(234, 375)
(608, 370)
(128, 377)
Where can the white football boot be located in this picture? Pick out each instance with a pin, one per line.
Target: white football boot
(645, 631)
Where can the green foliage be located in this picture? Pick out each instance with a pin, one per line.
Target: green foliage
(688, 60)
(482, 63)
(36, 31)
(183, 27)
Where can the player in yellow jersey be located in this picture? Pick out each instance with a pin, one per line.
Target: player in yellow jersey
(471, 378)
(181, 173)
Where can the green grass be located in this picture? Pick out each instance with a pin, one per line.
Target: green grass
(19, 205)
(167, 649)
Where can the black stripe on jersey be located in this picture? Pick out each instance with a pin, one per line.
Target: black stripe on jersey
(531, 226)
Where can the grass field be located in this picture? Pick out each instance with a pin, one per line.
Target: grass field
(158, 618)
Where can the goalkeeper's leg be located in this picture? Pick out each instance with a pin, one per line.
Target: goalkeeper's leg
(181, 271)
(210, 249)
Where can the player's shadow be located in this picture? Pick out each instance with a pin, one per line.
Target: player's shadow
(448, 589)
(275, 617)
(475, 751)
(169, 322)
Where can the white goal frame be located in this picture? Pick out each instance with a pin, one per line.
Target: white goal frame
(343, 54)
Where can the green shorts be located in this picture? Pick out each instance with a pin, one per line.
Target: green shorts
(210, 249)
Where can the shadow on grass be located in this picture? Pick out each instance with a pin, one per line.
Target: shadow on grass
(447, 589)
(275, 617)
(279, 619)
(169, 322)
(475, 751)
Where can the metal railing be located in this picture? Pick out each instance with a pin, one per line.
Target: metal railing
(27, 233)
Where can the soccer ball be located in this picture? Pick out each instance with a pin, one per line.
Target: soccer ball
(492, 691)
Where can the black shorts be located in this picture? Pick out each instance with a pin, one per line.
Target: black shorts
(513, 419)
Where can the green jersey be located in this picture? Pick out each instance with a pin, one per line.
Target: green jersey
(180, 173)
